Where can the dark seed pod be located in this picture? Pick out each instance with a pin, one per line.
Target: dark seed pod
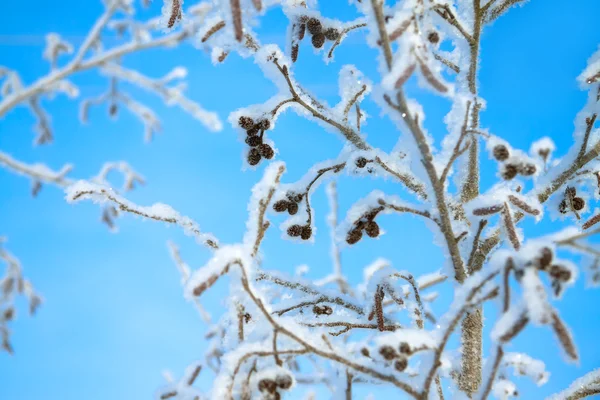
(284, 381)
(501, 152)
(253, 131)
(301, 31)
(264, 124)
(292, 208)
(433, 37)
(247, 317)
(361, 162)
(527, 169)
(253, 141)
(509, 172)
(365, 352)
(372, 229)
(354, 236)
(306, 232)
(388, 352)
(404, 348)
(322, 310)
(565, 275)
(401, 364)
(544, 153)
(555, 271)
(331, 34)
(266, 151)
(294, 230)
(267, 385)
(295, 49)
(545, 258)
(578, 203)
(246, 122)
(253, 156)
(314, 26)
(318, 40)
(281, 205)
(562, 207)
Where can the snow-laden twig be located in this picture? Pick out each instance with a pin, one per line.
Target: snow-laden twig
(84, 190)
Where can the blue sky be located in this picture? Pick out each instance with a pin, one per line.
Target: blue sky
(114, 315)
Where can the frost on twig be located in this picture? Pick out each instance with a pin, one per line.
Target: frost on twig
(12, 285)
(586, 386)
(93, 53)
(84, 190)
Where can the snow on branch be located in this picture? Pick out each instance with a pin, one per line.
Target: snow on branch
(586, 386)
(92, 54)
(12, 285)
(84, 190)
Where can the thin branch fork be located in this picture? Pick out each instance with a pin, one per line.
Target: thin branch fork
(446, 13)
(352, 136)
(79, 65)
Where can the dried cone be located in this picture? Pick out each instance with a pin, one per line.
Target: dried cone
(388, 352)
(267, 385)
(292, 208)
(361, 162)
(501, 152)
(332, 34)
(266, 151)
(578, 203)
(433, 37)
(404, 348)
(318, 40)
(246, 122)
(294, 230)
(354, 236)
(253, 141)
(281, 205)
(253, 156)
(545, 258)
(509, 172)
(527, 169)
(372, 229)
(314, 26)
(401, 364)
(306, 232)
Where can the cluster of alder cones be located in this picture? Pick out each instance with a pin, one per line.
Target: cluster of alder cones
(571, 202)
(399, 356)
(291, 205)
(559, 274)
(254, 138)
(319, 34)
(270, 387)
(367, 224)
(512, 168)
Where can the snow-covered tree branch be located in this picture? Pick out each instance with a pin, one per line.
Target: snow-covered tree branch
(282, 332)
